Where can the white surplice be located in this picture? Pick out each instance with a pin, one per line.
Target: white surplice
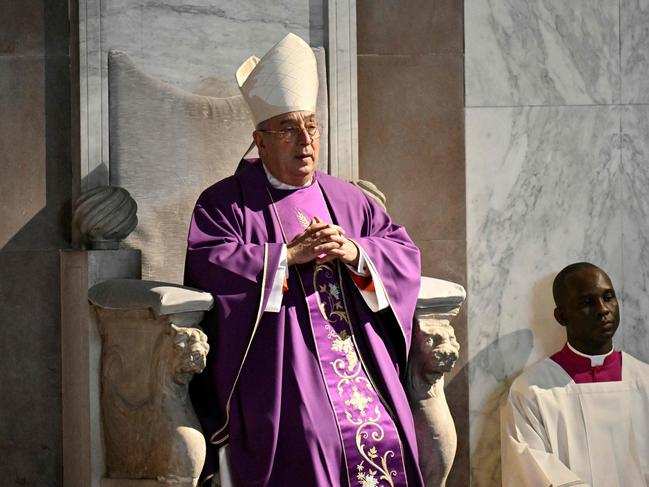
(557, 433)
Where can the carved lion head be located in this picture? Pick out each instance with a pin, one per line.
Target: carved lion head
(442, 349)
(190, 347)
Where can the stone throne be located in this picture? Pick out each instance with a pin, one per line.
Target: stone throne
(166, 145)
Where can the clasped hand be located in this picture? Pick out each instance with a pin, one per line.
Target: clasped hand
(321, 239)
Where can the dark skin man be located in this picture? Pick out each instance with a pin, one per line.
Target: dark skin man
(586, 304)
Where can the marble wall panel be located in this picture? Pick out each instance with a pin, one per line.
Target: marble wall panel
(198, 45)
(543, 190)
(33, 27)
(411, 144)
(635, 231)
(34, 201)
(542, 52)
(634, 50)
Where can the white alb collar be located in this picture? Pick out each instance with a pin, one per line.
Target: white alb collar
(277, 184)
(595, 360)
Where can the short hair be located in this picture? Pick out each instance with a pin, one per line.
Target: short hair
(563, 275)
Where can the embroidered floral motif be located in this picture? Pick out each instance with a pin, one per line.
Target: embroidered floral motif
(335, 292)
(343, 343)
(329, 296)
(359, 396)
(371, 429)
(358, 401)
(366, 479)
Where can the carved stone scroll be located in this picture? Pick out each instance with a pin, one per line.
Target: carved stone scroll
(434, 352)
(104, 216)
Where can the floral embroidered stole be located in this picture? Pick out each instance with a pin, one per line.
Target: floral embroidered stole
(372, 448)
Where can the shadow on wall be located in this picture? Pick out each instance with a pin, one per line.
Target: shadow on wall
(495, 368)
(549, 336)
(502, 360)
(37, 182)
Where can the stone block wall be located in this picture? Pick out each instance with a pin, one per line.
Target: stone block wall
(411, 145)
(35, 189)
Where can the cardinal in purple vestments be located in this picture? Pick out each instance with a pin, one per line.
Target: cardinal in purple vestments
(315, 291)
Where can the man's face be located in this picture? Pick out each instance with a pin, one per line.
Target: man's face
(290, 162)
(589, 310)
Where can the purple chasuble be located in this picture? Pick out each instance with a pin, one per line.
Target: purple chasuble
(371, 445)
(580, 370)
(263, 391)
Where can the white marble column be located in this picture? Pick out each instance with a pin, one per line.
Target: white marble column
(343, 102)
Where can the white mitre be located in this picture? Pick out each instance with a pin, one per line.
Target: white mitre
(284, 80)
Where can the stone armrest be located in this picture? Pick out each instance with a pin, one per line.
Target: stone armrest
(161, 298)
(439, 295)
(151, 348)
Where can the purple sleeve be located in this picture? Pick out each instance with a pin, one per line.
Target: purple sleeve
(397, 261)
(240, 276)
(219, 261)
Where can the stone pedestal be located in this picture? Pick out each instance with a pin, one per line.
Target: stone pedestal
(434, 352)
(83, 463)
(151, 347)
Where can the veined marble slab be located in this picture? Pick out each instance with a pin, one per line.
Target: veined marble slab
(198, 45)
(635, 50)
(635, 230)
(543, 191)
(542, 52)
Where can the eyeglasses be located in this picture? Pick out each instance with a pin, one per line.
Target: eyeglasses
(291, 134)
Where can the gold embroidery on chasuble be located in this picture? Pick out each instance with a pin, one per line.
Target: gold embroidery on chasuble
(362, 410)
(372, 450)
(304, 221)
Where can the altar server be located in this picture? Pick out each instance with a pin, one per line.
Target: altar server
(581, 416)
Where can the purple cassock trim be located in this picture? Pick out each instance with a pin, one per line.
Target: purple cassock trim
(371, 444)
(580, 370)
